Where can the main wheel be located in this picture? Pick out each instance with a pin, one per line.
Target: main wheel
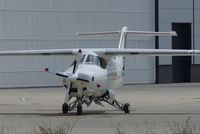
(126, 108)
(65, 108)
(79, 110)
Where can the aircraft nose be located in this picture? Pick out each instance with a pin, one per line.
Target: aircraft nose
(84, 76)
(73, 77)
(79, 76)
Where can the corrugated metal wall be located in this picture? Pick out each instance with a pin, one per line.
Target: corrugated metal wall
(197, 28)
(46, 24)
(179, 11)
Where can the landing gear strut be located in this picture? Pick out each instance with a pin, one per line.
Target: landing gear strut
(123, 107)
(77, 104)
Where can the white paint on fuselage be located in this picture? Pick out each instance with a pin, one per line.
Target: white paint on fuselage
(100, 80)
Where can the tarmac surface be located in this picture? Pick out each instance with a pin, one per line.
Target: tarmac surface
(154, 108)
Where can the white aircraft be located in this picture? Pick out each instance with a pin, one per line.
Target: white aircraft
(96, 73)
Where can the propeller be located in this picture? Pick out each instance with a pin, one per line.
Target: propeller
(76, 61)
(75, 67)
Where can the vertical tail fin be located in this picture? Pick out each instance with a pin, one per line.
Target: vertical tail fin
(122, 45)
(123, 36)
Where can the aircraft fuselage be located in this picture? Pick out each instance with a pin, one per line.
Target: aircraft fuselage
(93, 80)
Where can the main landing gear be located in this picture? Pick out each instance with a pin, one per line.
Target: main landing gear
(126, 108)
(65, 108)
(77, 104)
(123, 107)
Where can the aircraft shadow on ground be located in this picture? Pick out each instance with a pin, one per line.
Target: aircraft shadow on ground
(94, 112)
(72, 113)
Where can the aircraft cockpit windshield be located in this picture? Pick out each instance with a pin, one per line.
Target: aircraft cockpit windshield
(94, 60)
(82, 59)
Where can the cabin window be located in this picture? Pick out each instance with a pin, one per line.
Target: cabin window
(96, 60)
(103, 62)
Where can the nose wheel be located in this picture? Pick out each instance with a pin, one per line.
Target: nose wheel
(79, 110)
(77, 104)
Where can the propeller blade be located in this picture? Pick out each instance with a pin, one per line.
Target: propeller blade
(76, 61)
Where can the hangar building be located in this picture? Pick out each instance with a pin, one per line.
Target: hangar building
(49, 24)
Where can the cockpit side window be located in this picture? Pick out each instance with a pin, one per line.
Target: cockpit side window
(96, 61)
(103, 62)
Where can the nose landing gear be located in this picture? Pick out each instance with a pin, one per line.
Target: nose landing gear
(77, 104)
(79, 110)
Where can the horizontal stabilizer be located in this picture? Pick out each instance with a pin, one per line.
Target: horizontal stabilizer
(138, 33)
(101, 33)
(148, 33)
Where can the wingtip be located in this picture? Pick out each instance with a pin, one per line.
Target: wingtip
(46, 69)
(173, 33)
(78, 33)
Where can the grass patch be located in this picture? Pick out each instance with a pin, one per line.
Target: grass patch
(184, 128)
(52, 128)
(8, 129)
(65, 127)
(119, 131)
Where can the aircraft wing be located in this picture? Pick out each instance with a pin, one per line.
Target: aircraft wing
(39, 52)
(152, 52)
(109, 52)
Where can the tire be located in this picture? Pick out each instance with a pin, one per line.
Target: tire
(65, 108)
(79, 110)
(126, 108)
